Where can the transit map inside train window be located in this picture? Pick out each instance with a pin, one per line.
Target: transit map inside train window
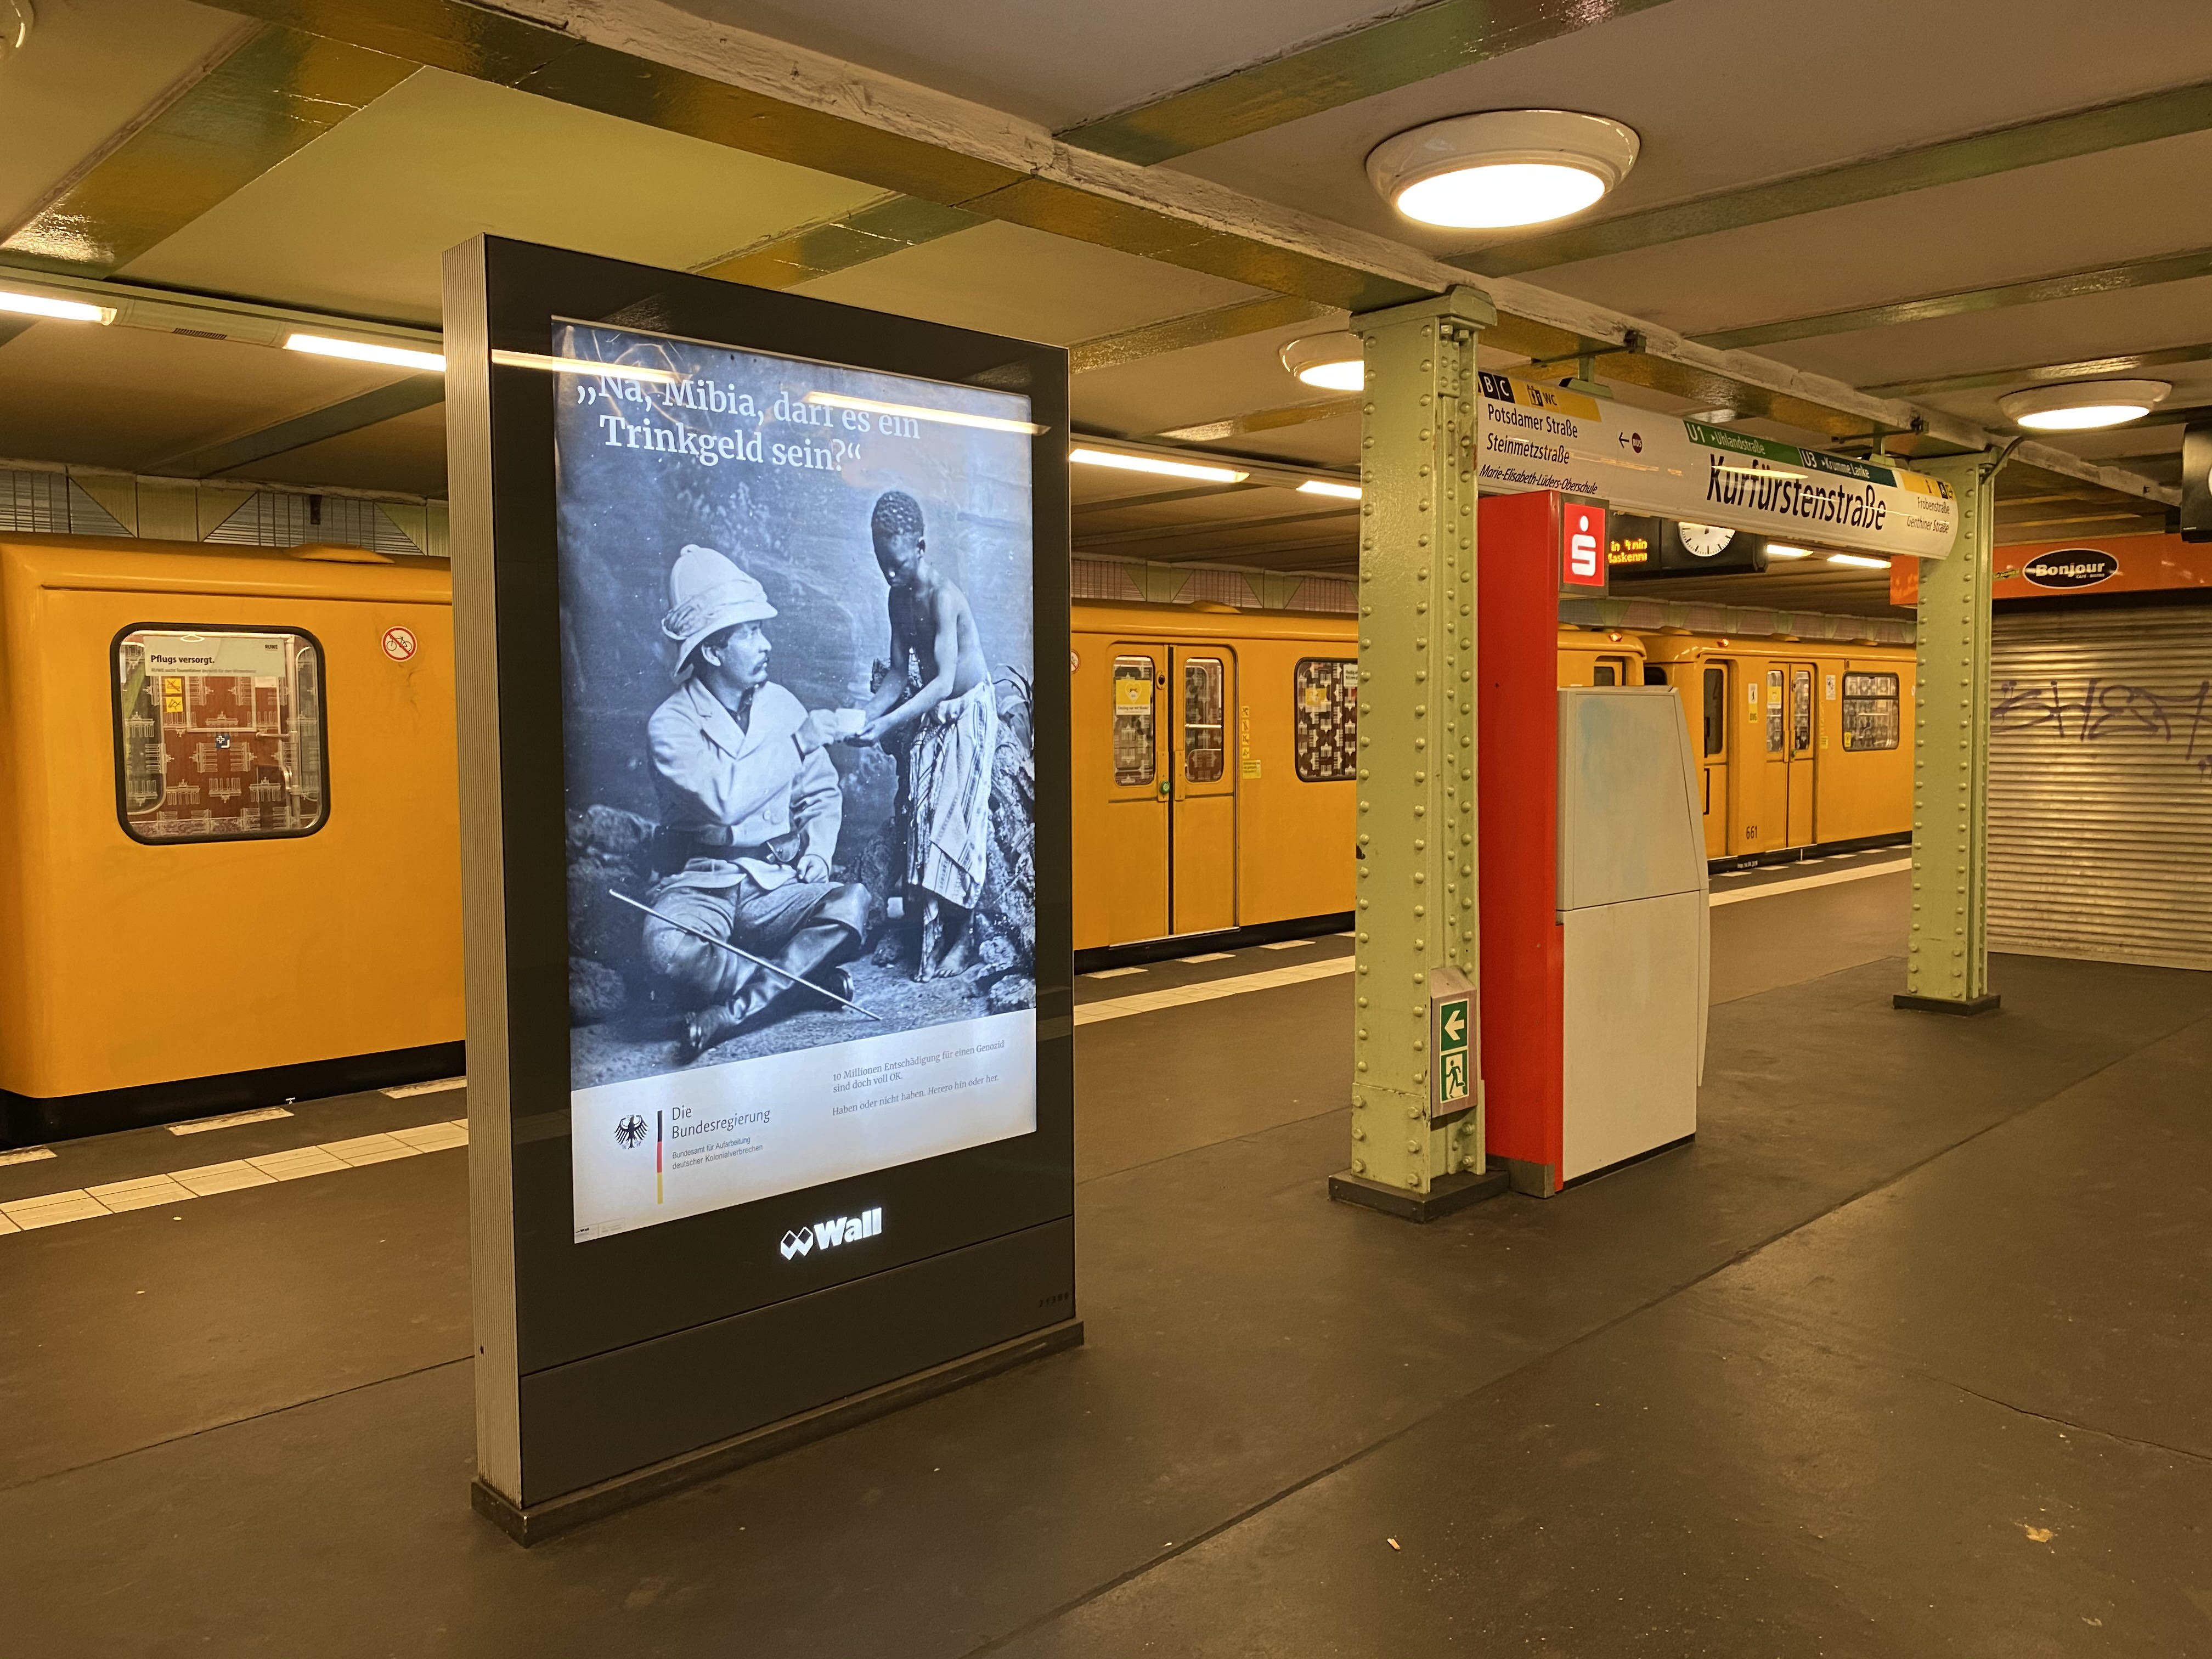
(1871, 719)
(219, 734)
(1325, 718)
(1133, 740)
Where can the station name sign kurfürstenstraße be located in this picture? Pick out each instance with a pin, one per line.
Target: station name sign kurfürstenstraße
(1541, 437)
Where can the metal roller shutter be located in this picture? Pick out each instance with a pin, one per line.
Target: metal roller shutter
(2100, 784)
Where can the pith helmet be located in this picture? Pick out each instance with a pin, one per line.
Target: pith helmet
(707, 593)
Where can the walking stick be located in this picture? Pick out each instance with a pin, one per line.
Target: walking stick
(761, 961)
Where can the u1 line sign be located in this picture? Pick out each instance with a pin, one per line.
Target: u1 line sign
(1542, 437)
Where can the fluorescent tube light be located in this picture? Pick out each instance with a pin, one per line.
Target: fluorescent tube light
(358, 351)
(919, 412)
(1324, 487)
(586, 366)
(1777, 550)
(1149, 463)
(1857, 560)
(65, 311)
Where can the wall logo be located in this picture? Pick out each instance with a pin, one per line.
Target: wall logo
(828, 1235)
(629, 1132)
(2071, 567)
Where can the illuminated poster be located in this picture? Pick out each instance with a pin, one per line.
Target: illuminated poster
(796, 632)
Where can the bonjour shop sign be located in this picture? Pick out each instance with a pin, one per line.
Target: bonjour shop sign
(2102, 564)
(2070, 568)
(2096, 565)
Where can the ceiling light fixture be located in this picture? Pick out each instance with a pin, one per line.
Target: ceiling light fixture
(2082, 405)
(1780, 550)
(921, 412)
(1720, 416)
(1504, 168)
(1334, 361)
(1324, 487)
(1858, 561)
(1151, 464)
(358, 351)
(16, 21)
(67, 311)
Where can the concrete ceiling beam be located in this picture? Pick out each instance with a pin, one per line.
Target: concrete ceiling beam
(1379, 56)
(1976, 155)
(2036, 290)
(650, 62)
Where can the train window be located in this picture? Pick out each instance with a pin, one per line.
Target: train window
(1132, 719)
(1870, 711)
(1205, 720)
(1605, 674)
(1654, 676)
(1773, 711)
(1325, 718)
(1715, 712)
(219, 733)
(1801, 711)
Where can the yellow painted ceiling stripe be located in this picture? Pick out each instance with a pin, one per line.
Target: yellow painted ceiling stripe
(1374, 58)
(279, 91)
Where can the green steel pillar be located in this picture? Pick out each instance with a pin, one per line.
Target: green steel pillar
(1947, 961)
(1416, 914)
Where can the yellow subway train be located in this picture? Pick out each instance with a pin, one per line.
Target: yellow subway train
(1214, 755)
(228, 829)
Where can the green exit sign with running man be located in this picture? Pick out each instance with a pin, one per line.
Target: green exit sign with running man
(1453, 1021)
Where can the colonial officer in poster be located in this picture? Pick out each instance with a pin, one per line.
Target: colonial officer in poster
(751, 806)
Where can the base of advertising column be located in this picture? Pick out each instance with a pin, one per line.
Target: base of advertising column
(1985, 1004)
(534, 1523)
(1445, 1194)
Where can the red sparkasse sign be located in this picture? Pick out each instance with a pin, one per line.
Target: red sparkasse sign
(1581, 544)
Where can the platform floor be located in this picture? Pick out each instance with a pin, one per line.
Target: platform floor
(1909, 1354)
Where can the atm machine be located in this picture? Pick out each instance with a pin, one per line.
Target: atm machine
(1592, 891)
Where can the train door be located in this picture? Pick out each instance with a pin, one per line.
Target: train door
(1803, 712)
(1714, 705)
(1767, 805)
(1202, 836)
(1170, 852)
(1132, 851)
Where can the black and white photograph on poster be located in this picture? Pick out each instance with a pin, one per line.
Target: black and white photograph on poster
(796, 646)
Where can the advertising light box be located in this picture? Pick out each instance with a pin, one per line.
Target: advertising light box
(822, 789)
(1541, 437)
(765, 810)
